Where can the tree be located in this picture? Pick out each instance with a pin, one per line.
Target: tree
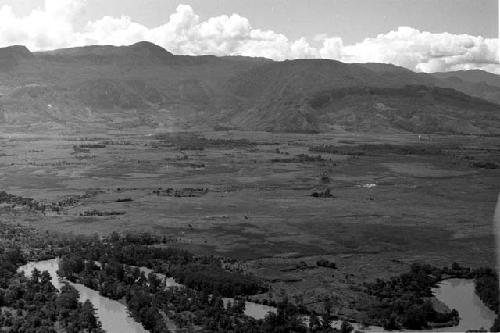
(88, 319)
(346, 327)
(67, 299)
(496, 325)
(45, 278)
(35, 275)
(415, 318)
(114, 237)
(314, 322)
(392, 323)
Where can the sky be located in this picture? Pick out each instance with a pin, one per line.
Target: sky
(422, 35)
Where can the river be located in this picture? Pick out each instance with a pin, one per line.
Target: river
(112, 314)
(457, 294)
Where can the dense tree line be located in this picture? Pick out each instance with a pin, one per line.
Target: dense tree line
(38, 206)
(202, 273)
(488, 291)
(496, 325)
(487, 287)
(300, 158)
(213, 278)
(377, 149)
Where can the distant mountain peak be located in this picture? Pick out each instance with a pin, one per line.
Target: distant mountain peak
(147, 45)
(151, 49)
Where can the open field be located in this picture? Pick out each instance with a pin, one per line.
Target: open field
(248, 195)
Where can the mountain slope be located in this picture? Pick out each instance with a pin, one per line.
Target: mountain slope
(364, 97)
(412, 108)
(475, 82)
(145, 86)
(472, 76)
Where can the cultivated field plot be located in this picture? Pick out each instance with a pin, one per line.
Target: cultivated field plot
(277, 202)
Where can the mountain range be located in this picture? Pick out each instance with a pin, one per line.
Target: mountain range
(143, 86)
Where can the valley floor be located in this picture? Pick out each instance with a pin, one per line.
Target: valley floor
(249, 196)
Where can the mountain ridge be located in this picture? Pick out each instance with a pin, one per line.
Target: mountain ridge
(473, 75)
(115, 86)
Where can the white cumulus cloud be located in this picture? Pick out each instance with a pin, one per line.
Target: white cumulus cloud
(184, 33)
(49, 27)
(425, 51)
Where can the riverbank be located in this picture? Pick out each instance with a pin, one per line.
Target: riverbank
(112, 314)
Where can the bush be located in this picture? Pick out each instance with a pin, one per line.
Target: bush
(326, 263)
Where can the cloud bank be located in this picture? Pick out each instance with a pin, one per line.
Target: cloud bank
(53, 27)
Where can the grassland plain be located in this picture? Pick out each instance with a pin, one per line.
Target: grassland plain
(248, 195)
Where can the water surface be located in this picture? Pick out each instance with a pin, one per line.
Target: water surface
(460, 294)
